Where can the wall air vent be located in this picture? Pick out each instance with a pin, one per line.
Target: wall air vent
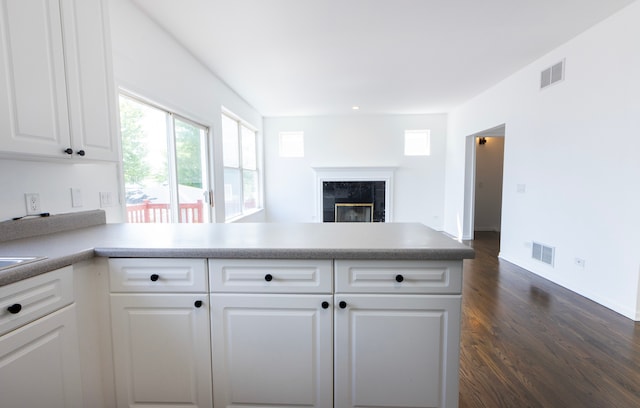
(543, 253)
(551, 75)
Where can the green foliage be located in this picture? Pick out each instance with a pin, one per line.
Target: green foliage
(142, 163)
(189, 154)
(134, 148)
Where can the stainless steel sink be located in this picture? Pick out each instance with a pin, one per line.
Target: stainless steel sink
(10, 261)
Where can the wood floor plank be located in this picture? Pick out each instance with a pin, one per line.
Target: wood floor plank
(527, 342)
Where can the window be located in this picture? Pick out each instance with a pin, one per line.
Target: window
(417, 142)
(291, 144)
(241, 175)
(164, 165)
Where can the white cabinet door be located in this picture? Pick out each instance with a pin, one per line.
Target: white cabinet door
(91, 88)
(272, 350)
(39, 363)
(33, 99)
(56, 83)
(161, 350)
(396, 351)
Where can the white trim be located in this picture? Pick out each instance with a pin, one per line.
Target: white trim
(231, 115)
(356, 174)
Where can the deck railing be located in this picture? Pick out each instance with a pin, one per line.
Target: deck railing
(147, 212)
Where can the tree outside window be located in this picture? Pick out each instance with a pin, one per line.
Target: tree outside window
(164, 165)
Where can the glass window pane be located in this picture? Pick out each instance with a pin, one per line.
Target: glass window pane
(242, 184)
(230, 147)
(248, 149)
(190, 165)
(144, 154)
(232, 192)
(417, 142)
(250, 190)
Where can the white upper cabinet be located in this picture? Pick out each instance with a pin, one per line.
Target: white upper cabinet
(57, 95)
(90, 84)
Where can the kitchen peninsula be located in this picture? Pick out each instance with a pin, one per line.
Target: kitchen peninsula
(229, 315)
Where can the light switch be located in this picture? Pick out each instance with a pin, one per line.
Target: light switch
(106, 199)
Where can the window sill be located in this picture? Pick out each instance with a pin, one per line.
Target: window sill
(241, 217)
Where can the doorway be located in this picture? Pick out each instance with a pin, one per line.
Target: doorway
(484, 181)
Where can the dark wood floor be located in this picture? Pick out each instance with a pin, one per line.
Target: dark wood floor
(527, 342)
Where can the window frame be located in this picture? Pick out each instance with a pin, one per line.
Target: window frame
(240, 123)
(172, 158)
(420, 137)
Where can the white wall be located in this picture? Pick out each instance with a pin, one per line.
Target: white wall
(53, 182)
(150, 63)
(488, 188)
(575, 146)
(356, 141)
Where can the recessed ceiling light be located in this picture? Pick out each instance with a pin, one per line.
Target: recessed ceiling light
(355, 107)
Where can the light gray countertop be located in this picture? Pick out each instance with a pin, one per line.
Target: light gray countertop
(393, 241)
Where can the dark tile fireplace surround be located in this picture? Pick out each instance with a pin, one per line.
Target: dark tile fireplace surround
(353, 201)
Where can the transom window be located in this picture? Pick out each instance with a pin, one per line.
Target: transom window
(417, 142)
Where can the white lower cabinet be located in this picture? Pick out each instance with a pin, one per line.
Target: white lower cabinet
(387, 335)
(161, 350)
(396, 351)
(161, 346)
(397, 333)
(39, 361)
(237, 333)
(285, 333)
(272, 350)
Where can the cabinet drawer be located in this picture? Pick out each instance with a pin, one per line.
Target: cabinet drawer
(355, 276)
(271, 276)
(157, 275)
(25, 301)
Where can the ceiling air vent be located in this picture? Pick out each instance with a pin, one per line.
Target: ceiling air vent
(551, 75)
(543, 253)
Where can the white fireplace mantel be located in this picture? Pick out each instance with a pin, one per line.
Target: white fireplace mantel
(356, 174)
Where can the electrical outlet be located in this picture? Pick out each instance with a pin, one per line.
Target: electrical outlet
(76, 197)
(32, 201)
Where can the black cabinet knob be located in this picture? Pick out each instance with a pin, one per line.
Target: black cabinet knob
(268, 277)
(15, 308)
(81, 153)
(325, 305)
(198, 303)
(399, 278)
(68, 150)
(154, 277)
(342, 304)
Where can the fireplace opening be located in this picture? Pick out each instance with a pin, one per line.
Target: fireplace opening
(353, 201)
(354, 212)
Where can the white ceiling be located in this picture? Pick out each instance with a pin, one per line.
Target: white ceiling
(321, 57)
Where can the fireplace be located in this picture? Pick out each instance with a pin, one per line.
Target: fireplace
(353, 201)
(354, 194)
